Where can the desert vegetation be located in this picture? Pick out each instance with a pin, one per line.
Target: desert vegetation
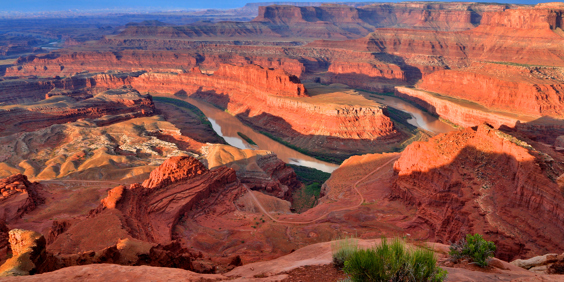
(388, 261)
(473, 248)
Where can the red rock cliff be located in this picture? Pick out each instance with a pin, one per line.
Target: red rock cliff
(540, 17)
(73, 62)
(519, 89)
(483, 181)
(273, 81)
(245, 93)
(19, 196)
(173, 189)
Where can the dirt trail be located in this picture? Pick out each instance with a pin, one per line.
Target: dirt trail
(326, 214)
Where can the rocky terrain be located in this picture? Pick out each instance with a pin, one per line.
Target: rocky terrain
(461, 194)
(141, 146)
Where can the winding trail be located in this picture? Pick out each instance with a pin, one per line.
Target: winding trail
(326, 214)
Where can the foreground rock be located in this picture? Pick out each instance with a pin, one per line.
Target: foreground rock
(152, 212)
(113, 272)
(274, 270)
(481, 180)
(548, 264)
(28, 253)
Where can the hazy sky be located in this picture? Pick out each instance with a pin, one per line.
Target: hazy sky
(58, 5)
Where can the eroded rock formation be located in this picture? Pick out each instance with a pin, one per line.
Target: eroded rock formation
(481, 180)
(173, 189)
(28, 253)
(528, 90)
(458, 112)
(258, 169)
(19, 196)
(126, 102)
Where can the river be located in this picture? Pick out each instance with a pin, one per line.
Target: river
(419, 118)
(227, 126)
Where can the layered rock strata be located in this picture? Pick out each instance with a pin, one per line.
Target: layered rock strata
(374, 76)
(124, 101)
(152, 212)
(19, 196)
(257, 169)
(101, 61)
(243, 92)
(519, 89)
(28, 252)
(327, 21)
(481, 180)
(461, 112)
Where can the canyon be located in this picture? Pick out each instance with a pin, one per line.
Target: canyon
(231, 141)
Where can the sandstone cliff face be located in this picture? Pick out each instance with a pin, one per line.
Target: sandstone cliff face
(373, 76)
(522, 36)
(28, 252)
(483, 181)
(460, 112)
(19, 196)
(4, 242)
(152, 213)
(126, 251)
(243, 56)
(522, 90)
(539, 17)
(272, 81)
(327, 22)
(172, 170)
(243, 92)
(73, 62)
(388, 71)
(30, 255)
(209, 56)
(436, 16)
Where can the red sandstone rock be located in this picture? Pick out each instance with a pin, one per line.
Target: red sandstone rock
(257, 169)
(73, 62)
(124, 101)
(230, 87)
(388, 71)
(19, 196)
(171, 171)
(373, 76)
(174, 188)
(28, 253)
(57, 229)
(460, 113)
(522, 36)
(274, 81)
(124, 252)
(327, 21)
(483, 181)
(4, 242)
(112, 272)
(517, 89)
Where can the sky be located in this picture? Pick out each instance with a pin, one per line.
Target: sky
(60, 5)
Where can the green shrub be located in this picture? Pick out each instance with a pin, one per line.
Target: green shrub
(342, 250)
(474, 248)
(393, 262)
